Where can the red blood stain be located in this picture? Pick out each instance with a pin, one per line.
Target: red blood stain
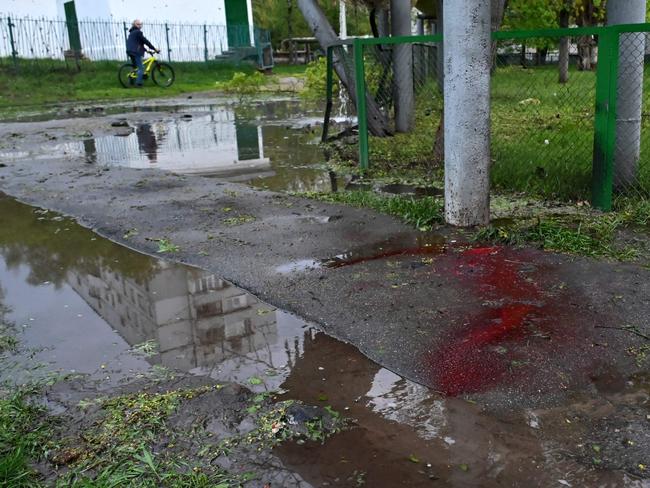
(487, 349)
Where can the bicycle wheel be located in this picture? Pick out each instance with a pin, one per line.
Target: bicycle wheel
(127, 75)
(163, 75)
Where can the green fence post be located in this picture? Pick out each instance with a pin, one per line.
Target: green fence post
(169, 49)
(605, 119)
(362, 116)
(14, 53)
(205, 42)
(126, 36)
(329, 82)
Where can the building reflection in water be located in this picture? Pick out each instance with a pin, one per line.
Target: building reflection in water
(201, 323)
(214, 143)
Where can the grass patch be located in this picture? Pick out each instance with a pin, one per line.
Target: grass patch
(131, 442)
(633, 211)
(542, 135)
(24, 433)
(8, 341)
(47, 82)
(421, 213)
(238, 220)
(124, 446)
(593, 236)
(44, 82)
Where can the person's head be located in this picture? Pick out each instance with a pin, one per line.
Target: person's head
(137, 23)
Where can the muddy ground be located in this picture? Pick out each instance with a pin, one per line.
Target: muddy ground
(529, 359)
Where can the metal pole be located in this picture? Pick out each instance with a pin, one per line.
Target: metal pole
(605, 119)
(467, 63)
(329, 81)
(205, 42)
(126, 36)
(362, 116)
(169, 49)
(343, 24)
(14, 53)
(630, 90)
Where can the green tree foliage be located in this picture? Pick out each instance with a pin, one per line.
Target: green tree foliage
(545, 14)
(532, 14)
(273, 15)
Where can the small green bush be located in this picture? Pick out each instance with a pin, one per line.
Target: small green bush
(243, 84)
(316, 80)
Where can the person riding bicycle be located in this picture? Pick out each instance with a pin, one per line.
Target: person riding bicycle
(135, 48)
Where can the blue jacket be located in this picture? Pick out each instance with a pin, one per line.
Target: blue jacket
(136, 42)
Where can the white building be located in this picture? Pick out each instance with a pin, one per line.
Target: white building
(185, 11)
(188, 30)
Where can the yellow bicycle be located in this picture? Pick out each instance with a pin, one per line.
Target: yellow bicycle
(161, 73)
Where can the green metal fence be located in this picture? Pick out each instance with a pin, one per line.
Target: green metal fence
(572, 139)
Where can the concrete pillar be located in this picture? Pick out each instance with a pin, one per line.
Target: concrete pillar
(467, 44)
(400, 19)
(630, 90)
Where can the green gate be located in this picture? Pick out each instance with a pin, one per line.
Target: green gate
(237, 23)
(73, 26)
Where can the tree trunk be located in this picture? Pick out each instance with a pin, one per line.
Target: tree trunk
(497, 11)
(629, 98)
(585, 46)
(292, 48)
(467, 112)
(564, 47)
(540, 56)
(402, 66)
(323, 31)
(383, 22)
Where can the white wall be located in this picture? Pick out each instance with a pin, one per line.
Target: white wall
(86, 9)
(187, 11)
(29, 8)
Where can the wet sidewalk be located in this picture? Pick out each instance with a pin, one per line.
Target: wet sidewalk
(521, 334)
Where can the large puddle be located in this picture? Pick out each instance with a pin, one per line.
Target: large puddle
(272, 144)
(83, 304)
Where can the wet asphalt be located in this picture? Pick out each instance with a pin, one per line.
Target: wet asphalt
(410, 312)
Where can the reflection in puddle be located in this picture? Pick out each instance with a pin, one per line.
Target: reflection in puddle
(216, 143)
(72, 299)
(272, 145)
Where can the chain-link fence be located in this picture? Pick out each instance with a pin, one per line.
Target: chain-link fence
(542, 125)
(562, 125)
(26, 40)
